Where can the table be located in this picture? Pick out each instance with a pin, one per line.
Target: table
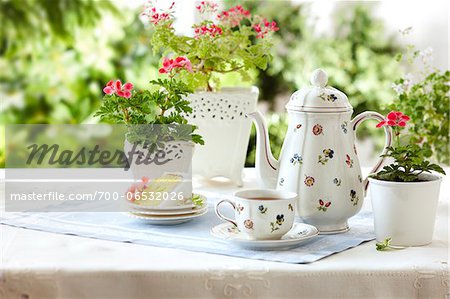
(37, 264)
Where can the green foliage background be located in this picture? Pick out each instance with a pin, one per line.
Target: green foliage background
(56, 56)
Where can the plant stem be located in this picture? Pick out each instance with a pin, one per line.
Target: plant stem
(208, 86)
(226, 71)
(397, 136)
(126, 115)
(166, 102)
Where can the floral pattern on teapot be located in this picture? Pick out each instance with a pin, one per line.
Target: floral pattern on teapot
(317, 130)
(337, 181)
(309, 181)
(327, 155)
(353, 197)
(328, 97)
(323, 206)
(344, 127)
(296, 159)
(349, 161)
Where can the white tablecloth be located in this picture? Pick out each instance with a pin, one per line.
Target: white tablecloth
(45, 265)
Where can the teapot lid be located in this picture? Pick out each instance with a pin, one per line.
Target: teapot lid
(319, 97)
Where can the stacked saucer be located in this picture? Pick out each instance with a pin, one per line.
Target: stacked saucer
(169, 215)
(299, 233)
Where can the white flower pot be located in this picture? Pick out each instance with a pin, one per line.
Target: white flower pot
(222, 121)
(405, 212)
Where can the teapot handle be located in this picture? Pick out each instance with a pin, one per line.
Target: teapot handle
(388, 141)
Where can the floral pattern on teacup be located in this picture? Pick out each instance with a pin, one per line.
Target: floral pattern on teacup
(296, 159)
(280, 219)
(323, 206)
(337, 181)
(360, 178)
(277, 223)
(297, 127)
(353, 197)
(317, 129)
(248, 224)
(348, 161)
(290, 208)
(328, 154)
(233, 230)
(281, 182)
(239, 209)
(309, 181)
(262, 209)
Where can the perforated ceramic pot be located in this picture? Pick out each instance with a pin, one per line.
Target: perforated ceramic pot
(222, 121)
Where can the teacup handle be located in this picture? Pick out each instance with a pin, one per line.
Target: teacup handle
(222, 216)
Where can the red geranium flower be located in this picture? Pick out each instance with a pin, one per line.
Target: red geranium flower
(393, 119)
(181, 62)
(116, 87)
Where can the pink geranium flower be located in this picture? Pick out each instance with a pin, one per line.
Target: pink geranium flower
(233, 16)
(158, 16)
(207, 7)
(177, 64)
(116, 87)
(212, 30)
(262, 29)
(394, 119)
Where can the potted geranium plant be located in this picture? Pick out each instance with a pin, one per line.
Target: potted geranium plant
(159, 140)
(405, 193)
(229, 41)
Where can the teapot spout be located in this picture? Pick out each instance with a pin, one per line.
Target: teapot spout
(266, 165)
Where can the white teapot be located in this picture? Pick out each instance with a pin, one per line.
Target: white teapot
(318, 159)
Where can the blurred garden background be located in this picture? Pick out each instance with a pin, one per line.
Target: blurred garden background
(56, 56)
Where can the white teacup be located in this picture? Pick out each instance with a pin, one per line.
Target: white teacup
(262, 214)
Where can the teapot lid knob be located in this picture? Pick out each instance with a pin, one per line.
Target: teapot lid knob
(319, 78)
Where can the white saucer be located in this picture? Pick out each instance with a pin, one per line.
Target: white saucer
(164, 212)
(167, 219)
(299, 233)
(168, 209)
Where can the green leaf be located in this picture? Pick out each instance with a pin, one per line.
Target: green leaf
(384, 245)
